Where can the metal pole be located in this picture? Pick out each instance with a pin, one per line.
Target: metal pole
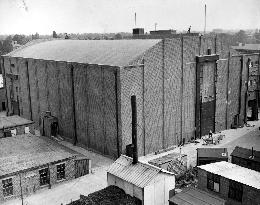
(21, 187)
(134, 129)
(205, 19)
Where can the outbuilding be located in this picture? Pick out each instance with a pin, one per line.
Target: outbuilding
(185, 87)
(149, 184)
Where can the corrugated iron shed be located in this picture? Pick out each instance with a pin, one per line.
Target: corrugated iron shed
(246, 153)
(194, 196)
(212, 152)
(234, 172)
(102, 52)
(139, 174)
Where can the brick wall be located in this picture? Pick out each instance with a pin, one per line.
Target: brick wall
(30, 180)
(251, 196)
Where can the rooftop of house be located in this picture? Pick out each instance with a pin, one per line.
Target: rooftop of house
(196, 197)
(252, 47)
(102, 52)
(13, 121)
(27, 151)
(234, 172)
(246, 154)
(140, 174)
(212, 153)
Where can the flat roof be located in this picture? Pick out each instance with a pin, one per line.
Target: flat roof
(234, 172)
(102, 52)
(253, 47)
(27, 151)
(13, 121)
(246, 154)
(195, 196)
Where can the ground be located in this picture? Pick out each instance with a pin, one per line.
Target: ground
(67, 191)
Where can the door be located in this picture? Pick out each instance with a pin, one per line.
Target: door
(82, 167)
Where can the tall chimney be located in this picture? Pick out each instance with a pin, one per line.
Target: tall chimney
(134, 129)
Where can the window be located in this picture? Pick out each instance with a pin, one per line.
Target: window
(44, 176)
(7, 187)
(213, 182)
(13, 132)
(27, 130)
(235, 191)
(60, 171)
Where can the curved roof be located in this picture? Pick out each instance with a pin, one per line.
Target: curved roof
(103, 52)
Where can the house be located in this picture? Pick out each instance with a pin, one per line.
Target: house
(235, 184)
(185, 87)
(248, 158)
(30, 163)
(15, 125)
(210, 155)
(150, 185)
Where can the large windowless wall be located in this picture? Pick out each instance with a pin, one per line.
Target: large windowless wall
(81, 96)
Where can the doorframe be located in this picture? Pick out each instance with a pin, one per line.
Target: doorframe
(200, 61)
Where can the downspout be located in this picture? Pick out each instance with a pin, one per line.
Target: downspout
(227, 90)
(181, 87)
(29, 89)
(163, 94)
(73, 105)
(117, 120)
(143, 113)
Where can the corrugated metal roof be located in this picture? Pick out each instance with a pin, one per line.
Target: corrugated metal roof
(195, 196)
(103, 52)
(139, 174)
(212, 152)
(234, 172)
(246, 153)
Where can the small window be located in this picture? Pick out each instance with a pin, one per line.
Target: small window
(60, 171)
(13, 132)
(235, 191)
(27, 130)
(7, 187)
(213, 182)
(44, 176)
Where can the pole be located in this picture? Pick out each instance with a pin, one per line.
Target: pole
(135, 19)
(134, 129)
(205, 20)
(21, 187)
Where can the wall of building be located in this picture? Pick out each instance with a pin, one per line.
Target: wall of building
(2, 99)
(19, 129)
(30, 180)
(250, 164)
(251, 196)
(129, 188)
(48, 86)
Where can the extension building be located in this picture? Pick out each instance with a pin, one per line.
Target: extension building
(30, 163)
(185, 87)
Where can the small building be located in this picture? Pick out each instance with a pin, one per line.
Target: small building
(248, 158)
(247, 48)
(174, 162)
(163, 32)
(193, 196)
(210, 155)
(15, 125)
(235, 184)
(149, 184)
(29, 163)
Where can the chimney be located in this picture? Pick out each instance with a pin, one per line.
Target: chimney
(134, 129)
(252, 153)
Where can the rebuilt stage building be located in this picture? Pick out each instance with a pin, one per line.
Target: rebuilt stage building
(185, 87)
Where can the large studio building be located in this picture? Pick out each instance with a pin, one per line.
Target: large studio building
(185, 87)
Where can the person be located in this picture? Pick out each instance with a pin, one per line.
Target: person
(189, 29)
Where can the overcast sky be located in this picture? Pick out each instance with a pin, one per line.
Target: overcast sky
(88, 16)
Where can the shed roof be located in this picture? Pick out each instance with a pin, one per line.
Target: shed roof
(140, 174)
(13, 121)
(103, 52)
(212, 152)
(166, 158)
(253, 47)
(246, 153)
(196, 197)
(234, 172)
(27, 151)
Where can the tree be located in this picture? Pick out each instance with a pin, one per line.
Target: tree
(118, 36)
(36, 36)
(54, 34)
(7, 46)
(240, 37)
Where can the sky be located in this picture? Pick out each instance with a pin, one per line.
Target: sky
(105, 16)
